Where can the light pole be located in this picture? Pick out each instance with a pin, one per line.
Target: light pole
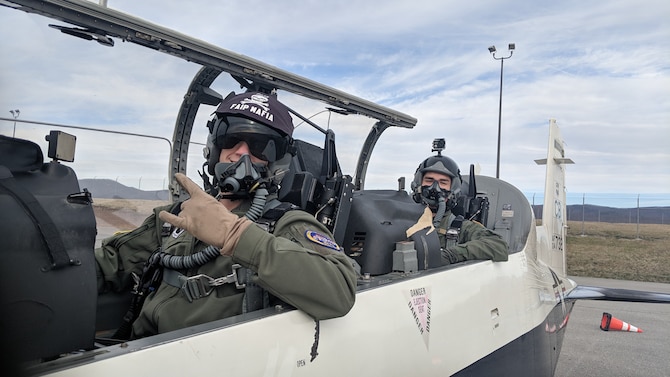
(492, 50)
(15, 114)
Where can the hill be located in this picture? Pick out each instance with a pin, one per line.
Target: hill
(647, 215)
(110, 189)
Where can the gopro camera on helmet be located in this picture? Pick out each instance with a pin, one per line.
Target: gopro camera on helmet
(439, 145)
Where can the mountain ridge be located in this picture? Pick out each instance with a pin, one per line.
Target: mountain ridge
(111, 189)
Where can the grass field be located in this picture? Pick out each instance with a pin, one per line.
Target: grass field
(619, 251)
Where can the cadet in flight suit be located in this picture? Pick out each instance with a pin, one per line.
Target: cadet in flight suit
(437, 183)
(293, 260)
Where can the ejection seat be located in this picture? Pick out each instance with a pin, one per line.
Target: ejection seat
(379, 218)
(47, 277)
(315, 183)
(507, 211)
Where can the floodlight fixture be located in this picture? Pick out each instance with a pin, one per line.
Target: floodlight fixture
(15, 114)
(492, 50)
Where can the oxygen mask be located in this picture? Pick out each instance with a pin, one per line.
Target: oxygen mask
(432, 194)
(436, 198)
(239, 179)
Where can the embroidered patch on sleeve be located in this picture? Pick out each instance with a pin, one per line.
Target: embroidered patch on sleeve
(321, 239)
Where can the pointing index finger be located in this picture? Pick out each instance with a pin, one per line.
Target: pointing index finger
(187, 184)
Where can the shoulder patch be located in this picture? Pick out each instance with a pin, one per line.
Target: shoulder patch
(321, 239)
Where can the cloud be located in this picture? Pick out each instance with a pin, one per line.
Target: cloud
(600, 69)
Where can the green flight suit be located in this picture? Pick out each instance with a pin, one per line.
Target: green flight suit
(303, 273)
(474, 242)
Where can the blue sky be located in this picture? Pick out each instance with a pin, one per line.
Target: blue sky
(601, 69)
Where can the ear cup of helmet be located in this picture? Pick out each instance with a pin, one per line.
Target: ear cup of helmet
(212, 150)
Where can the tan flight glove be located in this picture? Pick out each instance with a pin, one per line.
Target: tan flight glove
(206, 218)
(424, 222)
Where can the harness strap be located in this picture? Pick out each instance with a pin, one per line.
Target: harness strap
(273, 212)
(453, 231)
(255, 297)
(199, 286)
(57, 254)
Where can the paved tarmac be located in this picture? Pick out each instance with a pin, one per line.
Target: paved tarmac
(589, 351)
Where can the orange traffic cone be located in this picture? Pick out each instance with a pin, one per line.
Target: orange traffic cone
(611, 323)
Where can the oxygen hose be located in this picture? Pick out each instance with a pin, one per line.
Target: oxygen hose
(441, 209)
(258, 204)
(183, 262)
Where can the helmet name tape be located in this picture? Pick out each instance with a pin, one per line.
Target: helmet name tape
(259, 107)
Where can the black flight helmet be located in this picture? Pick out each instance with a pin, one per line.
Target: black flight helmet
(438, 164)
(258, 119)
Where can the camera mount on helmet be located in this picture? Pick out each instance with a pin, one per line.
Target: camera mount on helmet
(438, 146)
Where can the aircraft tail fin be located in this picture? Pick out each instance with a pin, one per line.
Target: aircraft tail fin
(554, 215)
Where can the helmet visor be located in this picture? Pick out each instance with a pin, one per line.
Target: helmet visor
(264, 142)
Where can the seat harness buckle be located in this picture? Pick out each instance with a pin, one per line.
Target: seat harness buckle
(199, 286)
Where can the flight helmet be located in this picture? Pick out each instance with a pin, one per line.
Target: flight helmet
(265, 124)
(430, 195)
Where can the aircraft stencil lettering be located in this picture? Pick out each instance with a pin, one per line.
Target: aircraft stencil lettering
(419, 305)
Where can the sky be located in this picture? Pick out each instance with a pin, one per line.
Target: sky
(601, 69)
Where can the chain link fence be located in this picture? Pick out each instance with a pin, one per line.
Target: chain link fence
(612, 208)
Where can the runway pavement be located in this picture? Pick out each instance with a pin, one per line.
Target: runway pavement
(589, 351)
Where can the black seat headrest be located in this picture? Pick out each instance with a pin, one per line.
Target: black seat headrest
(20, 155)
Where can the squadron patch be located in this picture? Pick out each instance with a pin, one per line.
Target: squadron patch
(321, 239)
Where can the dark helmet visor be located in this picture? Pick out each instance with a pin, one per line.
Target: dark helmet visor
(264, 142)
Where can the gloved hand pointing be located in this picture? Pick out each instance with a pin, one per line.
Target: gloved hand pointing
(206, 218)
